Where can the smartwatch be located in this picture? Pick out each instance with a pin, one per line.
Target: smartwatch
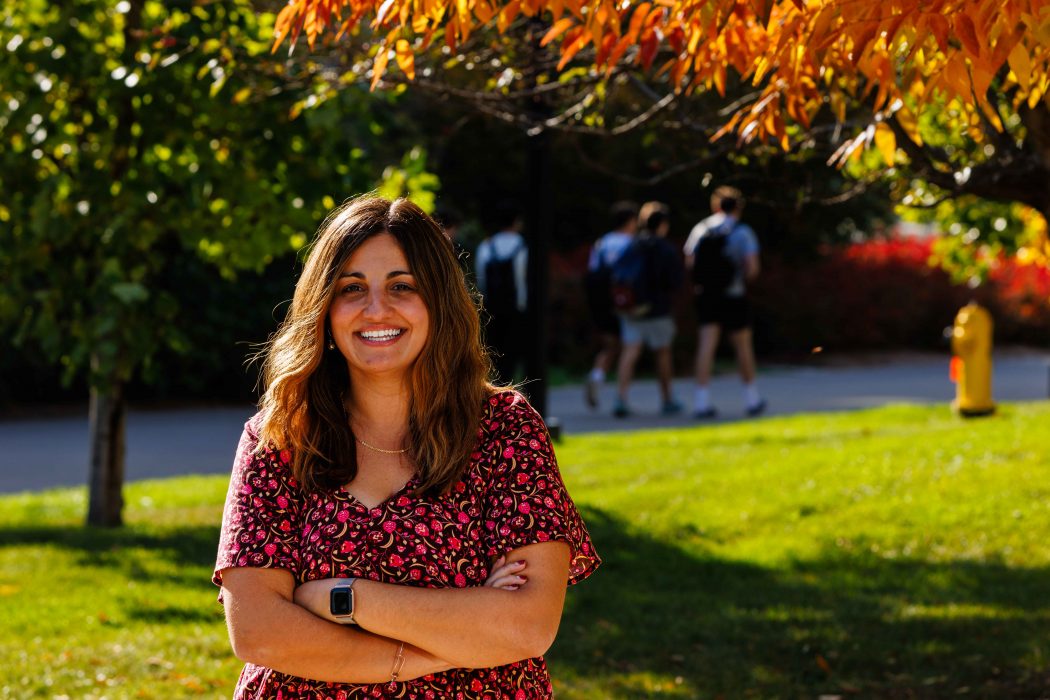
(341, 602)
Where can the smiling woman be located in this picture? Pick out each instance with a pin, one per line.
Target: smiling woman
(396, 526)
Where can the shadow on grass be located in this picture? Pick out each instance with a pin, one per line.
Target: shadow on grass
(186, 547)
(845, 623)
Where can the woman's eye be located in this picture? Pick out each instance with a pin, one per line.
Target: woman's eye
(352, 288)
(403, 287)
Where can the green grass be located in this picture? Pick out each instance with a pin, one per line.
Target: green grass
(899, 552)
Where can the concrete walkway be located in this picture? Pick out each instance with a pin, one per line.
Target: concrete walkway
(43, 453)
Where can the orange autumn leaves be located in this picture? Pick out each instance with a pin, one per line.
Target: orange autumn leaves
(901, 56)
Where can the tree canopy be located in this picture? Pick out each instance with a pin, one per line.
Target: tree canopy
(907, 55)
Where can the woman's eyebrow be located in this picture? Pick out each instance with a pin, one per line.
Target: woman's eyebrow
(361, 275)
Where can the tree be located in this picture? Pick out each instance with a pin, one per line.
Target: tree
(976, 68)
(135, 132)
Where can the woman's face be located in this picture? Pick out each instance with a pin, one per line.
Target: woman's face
(378, 319)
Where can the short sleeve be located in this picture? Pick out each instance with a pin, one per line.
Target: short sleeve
(748, 241)
(260, 519)
(525, 500)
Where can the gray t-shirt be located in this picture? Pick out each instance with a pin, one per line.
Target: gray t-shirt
(741, 244)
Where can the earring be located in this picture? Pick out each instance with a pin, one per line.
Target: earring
(331, 341)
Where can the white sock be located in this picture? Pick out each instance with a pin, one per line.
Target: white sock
(701, 398)
(597, 375)
(751, 396)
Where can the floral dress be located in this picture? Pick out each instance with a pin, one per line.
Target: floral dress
(511, 495)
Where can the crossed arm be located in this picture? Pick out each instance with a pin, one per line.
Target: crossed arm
(273, 624)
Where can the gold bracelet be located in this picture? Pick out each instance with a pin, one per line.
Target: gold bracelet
(399, 664)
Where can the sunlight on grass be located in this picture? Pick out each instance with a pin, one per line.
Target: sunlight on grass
(895, 551)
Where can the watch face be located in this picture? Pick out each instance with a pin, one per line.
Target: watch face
(342, 601)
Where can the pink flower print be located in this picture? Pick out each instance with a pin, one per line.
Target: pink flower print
(526, 428)
(286, 456)
(475, 456)
(347, 547)
(389, 526)
(508, 451)
(534, 444)
(341, 695)
(282, 501)
(415, 574)
(403, 501)
(475, 685)
(490, 525)
(463, 517)
(325, 568)
(257, 502)
(504, 531)
(435, 525)
(375, 512)
(272, 484)
(454, 542)
(260, 535)
(243, 560)
(524, 508)
(508, 501)
(493, 401)
(460, 487)
(540, 461)
(421, 510)
(246, 489)
(270, 549)
(342, 516)
(549, 502)
(541, 484)
(421, 549)
(520, 695)
(523, 477)
(422, 530)
(396, 561)
(461, 580)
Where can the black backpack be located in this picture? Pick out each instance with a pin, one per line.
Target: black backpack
(631, 279)
(501, 291)
(713, 269)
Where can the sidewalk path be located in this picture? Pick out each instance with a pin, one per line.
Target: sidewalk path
(43, 453)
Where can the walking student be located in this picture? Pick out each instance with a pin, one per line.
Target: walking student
(501, 265)
(650, 324)
(604, 254)
(722, 257)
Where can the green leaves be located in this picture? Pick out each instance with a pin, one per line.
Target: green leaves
(121, 159)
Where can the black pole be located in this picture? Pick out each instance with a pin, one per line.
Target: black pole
(539, 222)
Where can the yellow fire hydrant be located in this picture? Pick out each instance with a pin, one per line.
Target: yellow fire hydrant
(971, 367)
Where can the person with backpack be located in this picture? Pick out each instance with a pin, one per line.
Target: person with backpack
(604, 254)
(644, 281)
(501, 266)
(722, 257)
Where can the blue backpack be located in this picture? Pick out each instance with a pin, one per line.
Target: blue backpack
(631, 279)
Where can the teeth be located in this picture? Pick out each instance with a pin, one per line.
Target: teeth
(381, 335)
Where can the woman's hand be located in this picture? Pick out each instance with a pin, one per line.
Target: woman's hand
(314, 596)
(506, 575)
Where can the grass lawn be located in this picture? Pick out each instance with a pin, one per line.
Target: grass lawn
(898, 552)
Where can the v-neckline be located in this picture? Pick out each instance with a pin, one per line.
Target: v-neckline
(382, 504)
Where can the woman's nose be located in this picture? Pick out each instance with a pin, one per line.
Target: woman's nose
(376, 304)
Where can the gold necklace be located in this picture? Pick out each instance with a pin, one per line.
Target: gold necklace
(380, 449)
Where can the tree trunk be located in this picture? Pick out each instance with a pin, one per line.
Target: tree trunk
(106, 479)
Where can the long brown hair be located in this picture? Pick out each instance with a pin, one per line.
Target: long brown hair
(303, 406)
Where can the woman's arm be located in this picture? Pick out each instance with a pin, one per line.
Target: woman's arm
(268, 629)
(470, 627)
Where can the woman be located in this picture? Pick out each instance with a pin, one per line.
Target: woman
(385, 482)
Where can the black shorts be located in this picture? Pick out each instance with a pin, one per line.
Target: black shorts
(731, 313)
